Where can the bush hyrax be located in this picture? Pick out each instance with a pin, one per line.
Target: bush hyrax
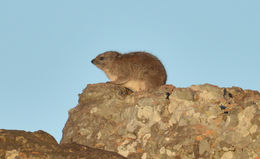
(135, 70)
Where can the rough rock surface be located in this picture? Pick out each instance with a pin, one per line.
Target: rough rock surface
(15, 144)
(202, 122)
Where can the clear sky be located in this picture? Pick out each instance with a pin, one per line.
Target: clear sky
(46, 48)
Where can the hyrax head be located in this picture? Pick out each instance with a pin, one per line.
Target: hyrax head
(104, 59)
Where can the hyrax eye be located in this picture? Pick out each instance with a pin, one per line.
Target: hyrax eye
(101, 58)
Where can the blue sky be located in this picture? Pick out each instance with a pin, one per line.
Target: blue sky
(46, 48)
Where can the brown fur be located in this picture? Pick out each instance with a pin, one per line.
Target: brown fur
(136, 70)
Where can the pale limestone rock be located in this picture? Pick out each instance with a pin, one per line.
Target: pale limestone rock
(203, 121)
(228, 155)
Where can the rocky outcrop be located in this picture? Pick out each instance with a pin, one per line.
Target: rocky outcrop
(202, 121)
(15, 144)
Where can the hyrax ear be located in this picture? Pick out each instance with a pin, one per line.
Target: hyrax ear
(114, 54)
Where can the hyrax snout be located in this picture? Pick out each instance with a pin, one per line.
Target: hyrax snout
(135, 70)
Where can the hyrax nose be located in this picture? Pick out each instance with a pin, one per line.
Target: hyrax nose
(92, 61)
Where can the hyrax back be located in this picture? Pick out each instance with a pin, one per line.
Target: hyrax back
(136, 70)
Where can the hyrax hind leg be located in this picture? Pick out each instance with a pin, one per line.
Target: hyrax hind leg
(151, 85)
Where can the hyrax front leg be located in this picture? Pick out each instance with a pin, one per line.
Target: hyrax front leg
(120, 80)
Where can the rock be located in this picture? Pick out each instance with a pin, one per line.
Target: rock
(15, 144)
(202, 121)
